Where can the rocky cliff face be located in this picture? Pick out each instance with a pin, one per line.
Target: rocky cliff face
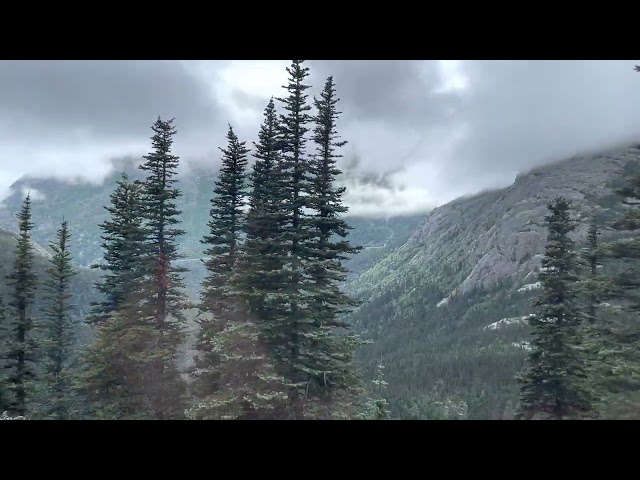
(447, 310)
(477, 242)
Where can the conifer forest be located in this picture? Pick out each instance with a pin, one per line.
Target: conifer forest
(302, 311)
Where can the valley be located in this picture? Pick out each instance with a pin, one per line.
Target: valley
(444, 294)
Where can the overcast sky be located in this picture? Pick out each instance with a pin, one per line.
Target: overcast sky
(420, 132)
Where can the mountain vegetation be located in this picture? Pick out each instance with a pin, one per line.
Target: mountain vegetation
(264, 349)
(251, 293)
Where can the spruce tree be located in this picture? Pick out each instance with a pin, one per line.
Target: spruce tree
(287, 340)
(165, 301)
(330, 346)
(225, 228)
(596, 330)
(21, 351)
(234, 378)
(264, 252)
(553, 383)
(60, 328)
(265, 281)
(110, 379)
(123, 237)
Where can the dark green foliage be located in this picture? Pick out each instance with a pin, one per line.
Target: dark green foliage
(300, 311)
(264, 253)
(161, 216)
(596, 330)
(131, 370)
(105, 381)
(225, 227)
(20, 360)
(164, 300)
(620, 334)
(438, 361)
(234, 379)
(247, 386)
(286, 335)
(123, 235)
(61, 331)
(265, 281)
(217, 303)
(330, 365)
(553, 384)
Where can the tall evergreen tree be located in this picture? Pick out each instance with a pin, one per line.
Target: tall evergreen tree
(265, 252)
(234, 378)
(123, 237)
(553, 384)
(60, 327)
(111, 380)
(264, 280)
(596, 330)
(166, 301)
(331, 360)
(21, 351)
(225, 228)
(288, 340)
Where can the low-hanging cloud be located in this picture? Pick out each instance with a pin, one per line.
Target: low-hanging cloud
(420, 132)
(69, 118)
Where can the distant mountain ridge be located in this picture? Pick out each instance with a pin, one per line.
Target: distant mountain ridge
(81, 203)
(444, 293)
(81, 284)
(480, 240)
(469, 264)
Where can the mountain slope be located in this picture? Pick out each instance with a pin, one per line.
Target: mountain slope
(81, 203)
(81, 284)
(469, 264)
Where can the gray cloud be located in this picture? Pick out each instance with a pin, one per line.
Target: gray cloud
(387, 91)
(68, 118)
(521, 114)
(512, 116)
(116, 99)
(415, 137)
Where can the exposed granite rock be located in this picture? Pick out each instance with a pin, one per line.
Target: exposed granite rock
(479, 241)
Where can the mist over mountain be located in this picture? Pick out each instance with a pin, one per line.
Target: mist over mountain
(496, 274)
(449, 307)
(444, 291)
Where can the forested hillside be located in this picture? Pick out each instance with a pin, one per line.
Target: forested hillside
(248, 291)
(447, 311)
(81, 286)
(269, 340)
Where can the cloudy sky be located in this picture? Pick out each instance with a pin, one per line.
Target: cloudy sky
(420, 132)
